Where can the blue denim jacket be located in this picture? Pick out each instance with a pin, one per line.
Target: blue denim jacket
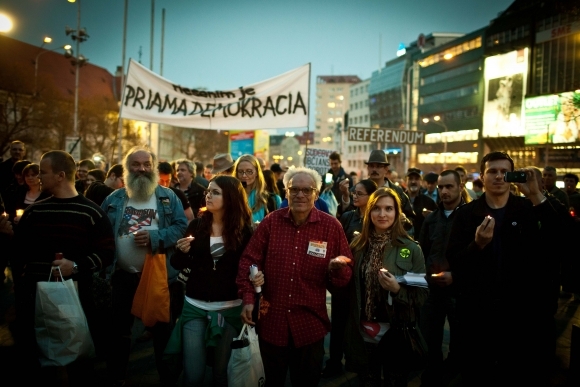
(172, 222)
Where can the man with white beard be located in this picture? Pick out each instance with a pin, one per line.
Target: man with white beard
(147, 219)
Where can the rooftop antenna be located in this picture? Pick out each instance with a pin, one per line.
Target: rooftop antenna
(140, 53)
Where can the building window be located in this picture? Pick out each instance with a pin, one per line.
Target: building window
(331, 105)
(365, 148)
(451, 52)
(366, 118)
(450, 94)
(468, 68)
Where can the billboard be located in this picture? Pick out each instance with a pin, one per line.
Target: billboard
(552, 118)
(505, 86)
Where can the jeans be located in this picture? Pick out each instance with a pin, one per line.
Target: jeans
(194, 353)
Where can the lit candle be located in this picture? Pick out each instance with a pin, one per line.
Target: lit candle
(436, 275)
(384, 270)
(19, 212)
(4, 214)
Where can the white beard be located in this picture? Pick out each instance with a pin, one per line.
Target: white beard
(141, 187)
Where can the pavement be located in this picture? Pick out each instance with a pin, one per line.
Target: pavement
(142, 371)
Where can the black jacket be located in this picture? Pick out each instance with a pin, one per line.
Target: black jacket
(420, 202)
(205, 283)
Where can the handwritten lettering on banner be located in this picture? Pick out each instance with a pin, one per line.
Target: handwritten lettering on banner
(279, 102)
(388, 136)
(317, 159)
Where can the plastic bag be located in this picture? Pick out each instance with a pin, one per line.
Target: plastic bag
(61, 327)
(151, 301)
(245, 368)
(330, 200)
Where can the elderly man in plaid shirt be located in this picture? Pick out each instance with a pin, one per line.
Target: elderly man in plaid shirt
(301, 251)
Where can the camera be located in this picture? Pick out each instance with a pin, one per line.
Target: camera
(515, 177)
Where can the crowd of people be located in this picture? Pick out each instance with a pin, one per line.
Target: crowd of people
(205, 225)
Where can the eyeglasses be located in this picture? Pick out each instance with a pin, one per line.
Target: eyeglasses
(247, 172)
(359, 194)
(307, 191)
(212, 193)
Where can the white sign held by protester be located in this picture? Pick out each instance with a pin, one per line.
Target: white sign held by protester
(279, 102)
(317, 159)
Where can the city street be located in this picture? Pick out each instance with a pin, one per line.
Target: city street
(142, 371)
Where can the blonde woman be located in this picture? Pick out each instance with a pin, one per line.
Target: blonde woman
(248, 171)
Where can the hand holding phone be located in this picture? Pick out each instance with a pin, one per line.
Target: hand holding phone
(328, 178)
(515, 177)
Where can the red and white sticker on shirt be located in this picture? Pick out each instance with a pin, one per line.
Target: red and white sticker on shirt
(317, 249)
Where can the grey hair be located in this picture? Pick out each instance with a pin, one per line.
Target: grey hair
(293, 171)
(132, 151)
(188, 163)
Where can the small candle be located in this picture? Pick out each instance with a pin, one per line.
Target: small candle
(19, 212)
(4, 214)
(384, 270)
(436, 275)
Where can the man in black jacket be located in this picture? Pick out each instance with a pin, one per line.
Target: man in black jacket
(422, 204)
(338, 175)
(441, 301)
(504, 280)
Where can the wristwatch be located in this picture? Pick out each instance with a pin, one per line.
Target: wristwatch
(75, 268)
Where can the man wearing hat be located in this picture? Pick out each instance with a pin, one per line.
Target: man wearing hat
(431, 185)
(377, 167)
(279, 175)
(418, 202)
(223, 164)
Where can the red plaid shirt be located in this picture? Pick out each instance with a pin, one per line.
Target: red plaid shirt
(294, 294)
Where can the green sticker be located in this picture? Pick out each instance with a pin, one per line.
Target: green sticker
(405, 253)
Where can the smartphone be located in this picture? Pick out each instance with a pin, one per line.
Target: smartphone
(515, 177)
(328, 178)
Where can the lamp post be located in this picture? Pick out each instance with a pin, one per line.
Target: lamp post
(437, 121)
(79, 35)
(46, 40)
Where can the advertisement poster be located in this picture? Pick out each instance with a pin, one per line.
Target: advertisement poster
(505, 87)
(241, 143)
(552, 118)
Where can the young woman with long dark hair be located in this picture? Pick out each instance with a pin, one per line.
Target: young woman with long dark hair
(208, 258)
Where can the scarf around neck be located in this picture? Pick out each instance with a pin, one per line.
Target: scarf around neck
(372, 263)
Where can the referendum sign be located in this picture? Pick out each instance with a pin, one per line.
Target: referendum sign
(317, 159)
(390, 136)
(279, 102)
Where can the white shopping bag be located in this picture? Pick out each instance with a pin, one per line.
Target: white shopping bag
(245, 368)
(61, 327)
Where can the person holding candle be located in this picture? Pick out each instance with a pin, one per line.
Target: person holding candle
(208, 258)
(260, 201)
(31, 190)
(494, 255)
(380, 307)
(351, 222)
(441, 301)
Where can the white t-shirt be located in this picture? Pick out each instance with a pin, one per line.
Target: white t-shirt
(137, 216)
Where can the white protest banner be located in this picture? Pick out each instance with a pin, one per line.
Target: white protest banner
(317, 159)
(279, 102)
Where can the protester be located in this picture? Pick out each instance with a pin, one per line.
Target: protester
(30, 191)
(550, 175)
(207, 172)
(223, 164)
(83, 169)
(210, 254)
(493, 255)
(194, 191)
(260, 201)
(114, 177)
(378, 303)
(199, 174)
(302, 251)
(430, 180)
(279, 174)
(478, 187)
(17, 153)
(148, 219)
(271, 186)
(96, 175)
(422, 204)
(351, 222)
(14, 191)
(66, 223)
(441, 301)
(339, 177)
(378, 166)
(460, 169)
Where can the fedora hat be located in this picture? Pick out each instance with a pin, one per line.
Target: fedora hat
(378, 157)
(222, 162)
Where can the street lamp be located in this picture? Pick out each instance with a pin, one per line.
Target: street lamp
(46, 40)
(79, 35)
(438, 121)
